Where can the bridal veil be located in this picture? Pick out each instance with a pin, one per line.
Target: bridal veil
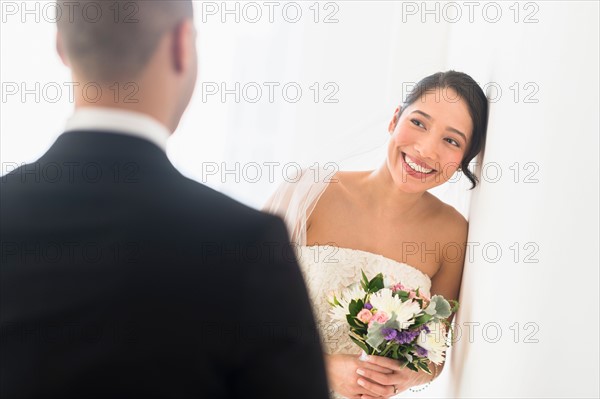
(295, 199)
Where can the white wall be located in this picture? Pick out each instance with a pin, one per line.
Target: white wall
(553, 219)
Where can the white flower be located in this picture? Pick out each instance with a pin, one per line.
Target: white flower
(338, 312)
(353, 292)
(434, 341)
(388, 281)
(383, 300)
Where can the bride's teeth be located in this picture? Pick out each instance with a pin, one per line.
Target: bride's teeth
(415, 166)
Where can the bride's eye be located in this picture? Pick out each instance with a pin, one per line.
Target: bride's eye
(453, 142)
(417, 121)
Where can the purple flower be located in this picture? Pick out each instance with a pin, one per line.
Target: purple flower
(424, 327)
(421, 352)
(406, 337)
(368, 306)
(389, 333)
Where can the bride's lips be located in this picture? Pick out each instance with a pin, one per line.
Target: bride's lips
(412, 172)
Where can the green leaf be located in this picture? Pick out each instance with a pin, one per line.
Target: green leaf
(361, 328)
(376, 283)
(374, 337)
(455, 305)
(424, 318)
(356, 305)
(364, 282)
(361, 344)
(386, 349)
(335, 302)
(412, 367)
(438, 307)
(352, 321)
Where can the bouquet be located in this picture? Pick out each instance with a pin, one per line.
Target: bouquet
(395, 322)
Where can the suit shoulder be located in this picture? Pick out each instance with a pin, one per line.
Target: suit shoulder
(207, 199)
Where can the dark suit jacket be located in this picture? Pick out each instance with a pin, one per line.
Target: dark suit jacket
(120, 277)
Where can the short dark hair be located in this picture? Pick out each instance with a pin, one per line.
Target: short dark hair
(477, 103)
(113, 40)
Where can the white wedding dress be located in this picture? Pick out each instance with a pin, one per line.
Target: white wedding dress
(328, 269)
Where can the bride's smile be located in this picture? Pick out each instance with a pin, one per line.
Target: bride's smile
(415, 167)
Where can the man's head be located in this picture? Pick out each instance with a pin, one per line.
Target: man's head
(146, 44)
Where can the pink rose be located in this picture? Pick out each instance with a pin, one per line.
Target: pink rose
(379, 317)
(398, 287)
(364, 315)
(412, 295)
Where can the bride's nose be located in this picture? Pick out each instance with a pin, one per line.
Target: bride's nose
(426, 148)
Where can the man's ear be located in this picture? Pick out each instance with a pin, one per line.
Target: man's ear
(61, 50)
(184, 41)
(394, 121)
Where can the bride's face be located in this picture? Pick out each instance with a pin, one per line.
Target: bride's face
(431, 135)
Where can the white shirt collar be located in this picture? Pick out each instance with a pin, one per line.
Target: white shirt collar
(120, 122)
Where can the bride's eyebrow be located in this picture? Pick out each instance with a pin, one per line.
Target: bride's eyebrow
(451, 129)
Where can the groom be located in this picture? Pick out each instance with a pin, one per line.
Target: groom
(119, 276)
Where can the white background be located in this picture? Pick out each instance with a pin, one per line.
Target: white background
(539, 174)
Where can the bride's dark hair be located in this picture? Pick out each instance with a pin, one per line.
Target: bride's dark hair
(476, 101)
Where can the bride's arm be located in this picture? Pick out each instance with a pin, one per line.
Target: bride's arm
(446, 282)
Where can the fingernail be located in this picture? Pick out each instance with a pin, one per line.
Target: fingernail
(360, 371)
(361, 382)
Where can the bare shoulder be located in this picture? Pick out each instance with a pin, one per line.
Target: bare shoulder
(448, 221)
(342, 187)
(451, 223)
(335, 198)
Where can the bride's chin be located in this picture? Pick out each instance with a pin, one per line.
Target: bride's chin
(403, 184)
(406, 183)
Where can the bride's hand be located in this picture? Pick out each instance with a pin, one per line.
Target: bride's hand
(387, 384)
(343, 379)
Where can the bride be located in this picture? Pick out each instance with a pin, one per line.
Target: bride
(385, 221)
